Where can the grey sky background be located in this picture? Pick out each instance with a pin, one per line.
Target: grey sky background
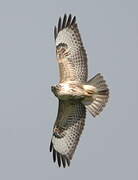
(108, 148)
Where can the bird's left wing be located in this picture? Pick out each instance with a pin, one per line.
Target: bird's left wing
(67, 130)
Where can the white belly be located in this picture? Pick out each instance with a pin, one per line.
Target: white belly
(68, 91)
(66, 87)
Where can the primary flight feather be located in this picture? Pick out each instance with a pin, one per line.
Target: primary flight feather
(74, 92)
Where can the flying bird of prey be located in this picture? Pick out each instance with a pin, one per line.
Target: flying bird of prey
(74, 92)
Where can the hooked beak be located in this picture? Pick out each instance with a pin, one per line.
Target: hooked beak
(52, 88)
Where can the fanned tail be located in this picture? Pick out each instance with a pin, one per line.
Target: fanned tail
(99, 96)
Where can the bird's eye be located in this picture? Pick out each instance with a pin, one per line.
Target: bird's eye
(52, 88)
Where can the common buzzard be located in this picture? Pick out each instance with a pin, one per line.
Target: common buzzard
(74, 92)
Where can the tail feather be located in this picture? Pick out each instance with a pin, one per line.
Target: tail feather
(100, 97)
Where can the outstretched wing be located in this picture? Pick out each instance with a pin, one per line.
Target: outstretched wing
(67, 130)
(71, 54)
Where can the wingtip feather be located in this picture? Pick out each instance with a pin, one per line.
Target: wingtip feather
(58, 159)
(59, 24)
(55, 32)
(73, 21)
(64, 22)
(61, 159)
(51, 146)
(54, 155)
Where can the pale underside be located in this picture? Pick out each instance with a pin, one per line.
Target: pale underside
(73, 91)
(71, 55)
(72, 60)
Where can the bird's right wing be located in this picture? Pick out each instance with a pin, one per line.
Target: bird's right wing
(70, 51)
(67, 130)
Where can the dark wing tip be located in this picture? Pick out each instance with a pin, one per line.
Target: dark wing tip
(73, 21)
(69, 20)
(55, 32)
(68, 161)
(54, 155)
(51, 146)
(61, 159)
(64, 23)
(58, 159)
(59, 24)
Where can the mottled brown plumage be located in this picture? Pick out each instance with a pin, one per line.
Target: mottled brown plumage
(74, 92)
(71, 54)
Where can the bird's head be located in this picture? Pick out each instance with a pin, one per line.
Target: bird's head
(55, 89)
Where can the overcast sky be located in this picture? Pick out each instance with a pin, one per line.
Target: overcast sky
(108, 148)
